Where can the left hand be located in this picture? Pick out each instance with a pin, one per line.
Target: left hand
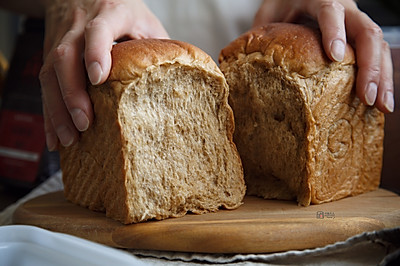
(78, 41)
(337, 20)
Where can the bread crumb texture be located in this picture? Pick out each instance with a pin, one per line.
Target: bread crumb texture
(300, 129)
(161, 144)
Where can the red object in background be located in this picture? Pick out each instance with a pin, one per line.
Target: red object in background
(24, 159)
(21, 145)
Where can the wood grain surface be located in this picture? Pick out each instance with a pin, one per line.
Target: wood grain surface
(258, 226)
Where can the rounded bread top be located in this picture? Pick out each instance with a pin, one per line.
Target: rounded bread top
(293, 47)
(131, 58)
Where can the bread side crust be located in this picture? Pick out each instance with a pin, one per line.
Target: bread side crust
(331, 107)
(87, 165)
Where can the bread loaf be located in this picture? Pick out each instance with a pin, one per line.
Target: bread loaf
(300, 129)
(161, 142)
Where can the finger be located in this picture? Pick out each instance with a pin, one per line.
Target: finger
(331, 19)
(99, 38)
(51, 136)
(266, 13)
(58, 120)
(113, 22)
(385, 98)
(70, 71)
(332, 25)
(367, 38)
(276, 11)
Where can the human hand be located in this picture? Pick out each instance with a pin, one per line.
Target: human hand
(79, 36)
(338, 19)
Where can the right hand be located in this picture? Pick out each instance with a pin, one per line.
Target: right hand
(79, 36)
(339, 20)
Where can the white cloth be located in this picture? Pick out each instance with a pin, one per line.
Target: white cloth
(208, 24)
(50, 185)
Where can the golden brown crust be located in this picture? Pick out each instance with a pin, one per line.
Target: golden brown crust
(294, 48)
(132, 57)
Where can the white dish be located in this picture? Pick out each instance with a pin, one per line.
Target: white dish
(29, 245)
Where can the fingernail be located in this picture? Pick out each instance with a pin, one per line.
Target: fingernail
(388, 101)
(51, 141)
(95, 72)
(65, 135)
(338, 50)
(80, 119)
(371, 92)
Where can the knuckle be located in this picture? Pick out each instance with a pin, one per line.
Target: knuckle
(374, 31)
(106, 6)
(331, 5)
(61, 52)
(372, 70)
(48, 126)
(387, 81)
(385, 46)
(68, 96)
(110, 4)
(53, 116)
(95, 23)
(45, 73)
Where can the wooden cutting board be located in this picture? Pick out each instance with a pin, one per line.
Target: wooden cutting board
(258, 226)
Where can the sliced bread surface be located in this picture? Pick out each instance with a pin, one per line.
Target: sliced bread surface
(161, 142)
